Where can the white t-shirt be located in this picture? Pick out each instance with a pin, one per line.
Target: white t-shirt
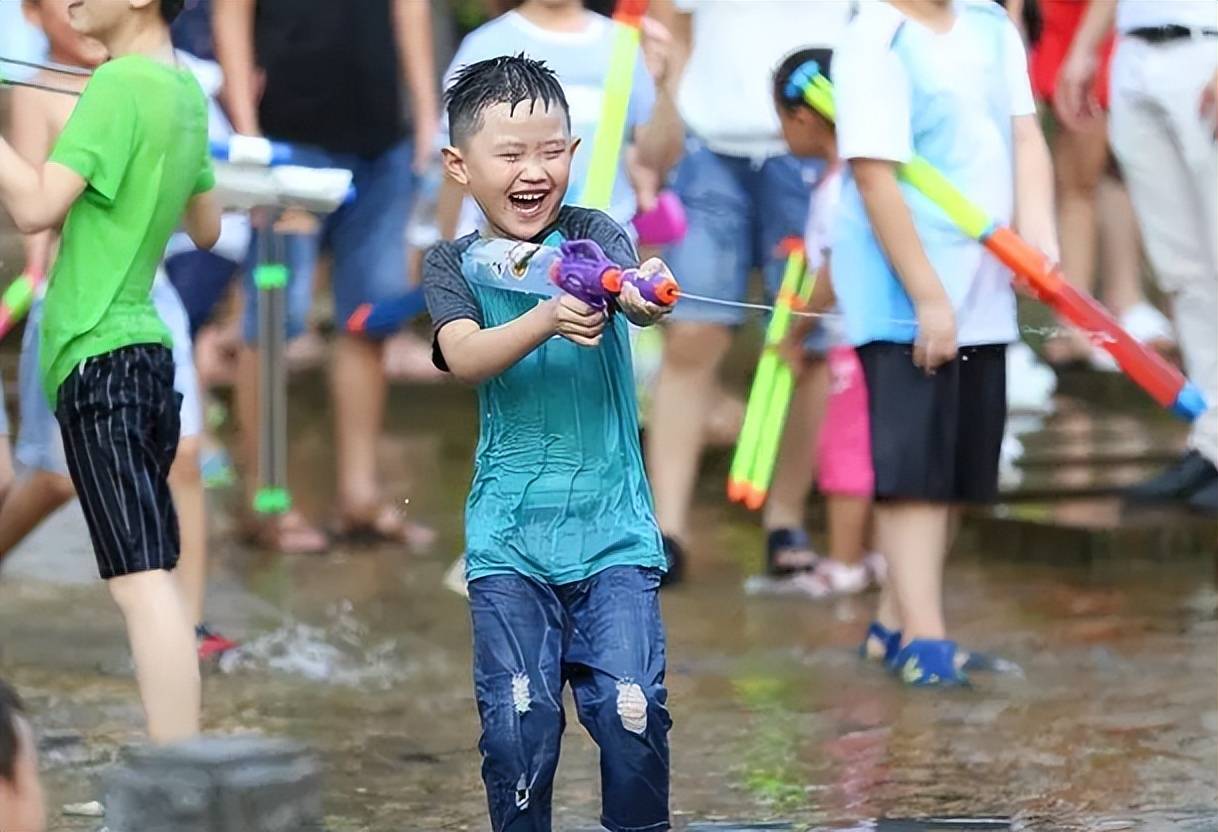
(903, 89)
(726, 96)
(1138, 14)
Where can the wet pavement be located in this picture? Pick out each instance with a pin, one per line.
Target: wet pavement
(1112, 724)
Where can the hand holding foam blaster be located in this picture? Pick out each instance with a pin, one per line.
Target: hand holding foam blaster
(1165, 384)
(577, 267)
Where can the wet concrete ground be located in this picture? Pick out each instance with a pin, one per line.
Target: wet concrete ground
(1112, 725)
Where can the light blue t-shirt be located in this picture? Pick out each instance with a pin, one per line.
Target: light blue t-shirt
(581, 61)
(903, 90)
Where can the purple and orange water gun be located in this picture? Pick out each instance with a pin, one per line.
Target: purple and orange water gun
(582, 269)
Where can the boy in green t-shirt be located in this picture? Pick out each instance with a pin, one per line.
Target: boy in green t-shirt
(563, 551)
(131, 164)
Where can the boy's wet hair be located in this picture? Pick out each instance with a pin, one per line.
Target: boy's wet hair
(787, 89)
(10, 709)
(510, 80)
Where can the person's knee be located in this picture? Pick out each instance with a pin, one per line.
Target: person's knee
(58, 488)
(142, 591)
(186, 471)
(695, 347)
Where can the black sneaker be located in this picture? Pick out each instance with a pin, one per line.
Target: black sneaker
(1205, 500)
(1178, 483)
(676, 562)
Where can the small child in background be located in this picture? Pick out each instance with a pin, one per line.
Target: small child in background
(928, 310)
(843, 449)
(38, 118)
(21, 801)
(130, 165)
(564, 556)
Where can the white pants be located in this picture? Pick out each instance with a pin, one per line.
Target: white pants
(1170, 161)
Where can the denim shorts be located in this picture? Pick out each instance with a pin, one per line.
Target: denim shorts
(739, 211)
(39, 445)
(602, 635)
(367, 238)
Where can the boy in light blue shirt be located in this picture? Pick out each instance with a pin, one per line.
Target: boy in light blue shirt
(928, 310)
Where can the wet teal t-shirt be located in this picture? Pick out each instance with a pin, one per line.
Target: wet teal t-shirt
(559, 492)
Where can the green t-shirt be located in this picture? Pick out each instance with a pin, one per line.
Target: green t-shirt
(138, 137)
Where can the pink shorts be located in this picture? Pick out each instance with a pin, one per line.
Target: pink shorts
(844, 446)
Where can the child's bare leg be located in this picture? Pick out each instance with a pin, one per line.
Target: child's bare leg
(684, 390)
(1120, 247)
(162, 637)
(1079, 157)
(888, 612)
(848, 517)
(186, 483)
(914, 536)
(796, 467)
(34, 498)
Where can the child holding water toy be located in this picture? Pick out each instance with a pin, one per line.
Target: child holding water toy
(928, 311)
(564, 556)
(843, 450)
(129, 166)
(38, 118)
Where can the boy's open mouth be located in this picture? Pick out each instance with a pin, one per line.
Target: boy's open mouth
(529, 203)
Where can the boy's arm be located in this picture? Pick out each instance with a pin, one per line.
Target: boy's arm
(1034, 204)
(898, 236)
(30, 135)
(823, 296)
(412, 25)
(36, 197)
(1072, 100)
(474, 354)
(202, 220)
(659, 140)
(233, 32)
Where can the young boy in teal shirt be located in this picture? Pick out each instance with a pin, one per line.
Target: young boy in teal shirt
(130, 165)
(563, 552)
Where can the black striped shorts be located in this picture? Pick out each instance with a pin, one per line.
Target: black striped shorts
(118, 414)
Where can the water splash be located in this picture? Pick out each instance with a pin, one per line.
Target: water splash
(340, 652)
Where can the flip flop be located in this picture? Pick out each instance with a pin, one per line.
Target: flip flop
(387, 527)
(288, 534)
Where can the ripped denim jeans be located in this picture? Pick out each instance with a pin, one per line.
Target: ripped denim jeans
(604, 636)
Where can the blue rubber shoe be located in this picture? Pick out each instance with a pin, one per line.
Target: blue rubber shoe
(926, 662)
(891, 639)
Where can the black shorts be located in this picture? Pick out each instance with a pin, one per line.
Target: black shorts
(118, 414)
(936, 437)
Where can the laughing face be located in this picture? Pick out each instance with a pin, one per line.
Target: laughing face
(516, 166)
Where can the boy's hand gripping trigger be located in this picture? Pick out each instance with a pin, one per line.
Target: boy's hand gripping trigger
(584, 271)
